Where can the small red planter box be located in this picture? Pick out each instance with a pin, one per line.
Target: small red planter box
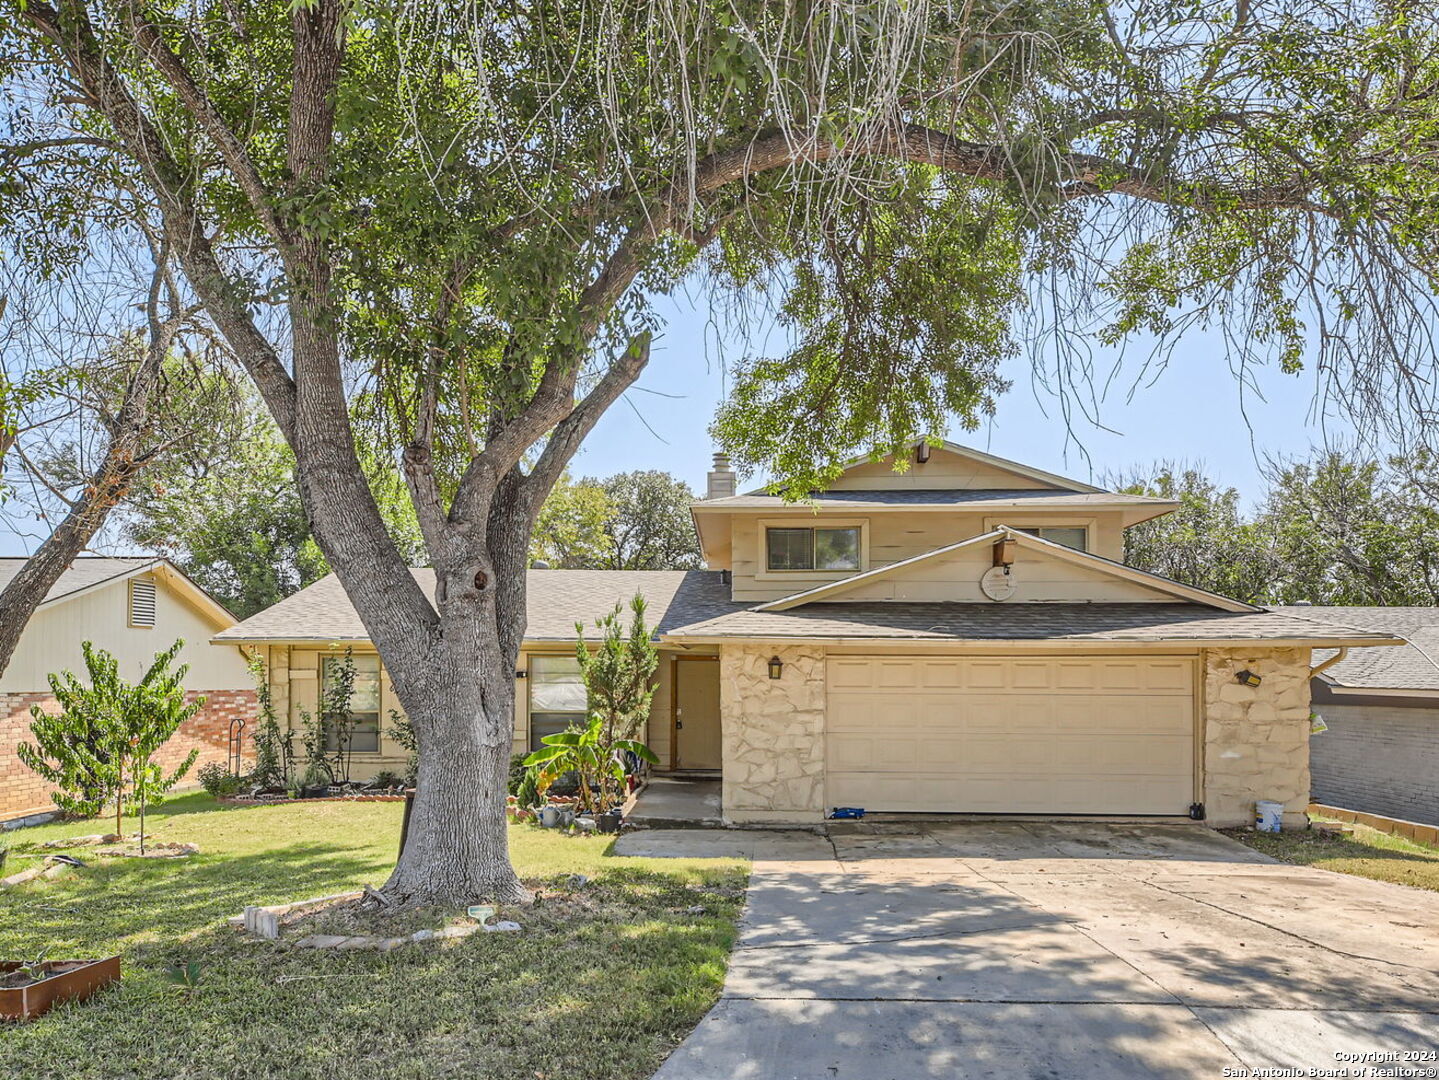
(66, 980)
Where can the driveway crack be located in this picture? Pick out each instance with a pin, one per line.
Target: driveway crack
(1290, 933)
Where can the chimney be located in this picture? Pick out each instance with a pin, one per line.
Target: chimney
(721, 478)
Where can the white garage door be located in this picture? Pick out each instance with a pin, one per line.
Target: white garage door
(1081, 735)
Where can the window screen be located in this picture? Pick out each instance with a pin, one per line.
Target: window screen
(364, 704)
(557, 696)
(1070, 537)
(812, 549)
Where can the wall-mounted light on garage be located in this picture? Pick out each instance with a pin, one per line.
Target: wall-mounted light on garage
(1247, 678)
(776, 667)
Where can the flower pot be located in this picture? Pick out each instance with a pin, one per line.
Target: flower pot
(609, 821)
(551, 817)
(64, 980)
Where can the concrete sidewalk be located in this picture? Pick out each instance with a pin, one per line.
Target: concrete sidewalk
(1057, 950)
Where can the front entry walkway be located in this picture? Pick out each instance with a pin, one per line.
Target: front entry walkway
(1005, 950)
(677, 803)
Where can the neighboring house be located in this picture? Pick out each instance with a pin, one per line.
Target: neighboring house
(957, 637)
(1380, 753)
(132, 608)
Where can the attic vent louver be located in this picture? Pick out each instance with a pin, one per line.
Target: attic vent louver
(142, 603)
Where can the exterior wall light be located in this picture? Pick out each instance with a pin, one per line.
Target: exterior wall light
(1248, 678)
(776, 667)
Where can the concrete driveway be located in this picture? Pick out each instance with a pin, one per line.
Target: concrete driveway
(1057, 950)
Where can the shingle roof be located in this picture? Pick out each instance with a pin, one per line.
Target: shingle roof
(856, 499)
(1152, 623)
(1414, 666)
(85, 571)
(557, 599)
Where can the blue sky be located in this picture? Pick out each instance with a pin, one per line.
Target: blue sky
(1195, 410)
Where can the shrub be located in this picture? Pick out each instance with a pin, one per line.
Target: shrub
(100, 747)
(386, 779)
(212, 777)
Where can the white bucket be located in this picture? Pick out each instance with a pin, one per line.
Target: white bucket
(1268, 815)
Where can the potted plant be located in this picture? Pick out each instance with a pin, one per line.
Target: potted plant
(316, 782)
(29, 989)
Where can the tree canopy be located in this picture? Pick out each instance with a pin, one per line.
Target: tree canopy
(435, 232)
(630, 521)
(1341, 528)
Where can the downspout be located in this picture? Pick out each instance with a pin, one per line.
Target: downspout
(1340, 655)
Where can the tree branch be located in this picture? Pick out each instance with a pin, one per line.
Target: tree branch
(74, 38)
(237, 158)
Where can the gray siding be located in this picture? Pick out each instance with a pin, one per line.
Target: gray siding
(1381, 759)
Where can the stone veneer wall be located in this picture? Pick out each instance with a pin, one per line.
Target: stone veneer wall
(773, 732)
(1256, 739)
(208, 731)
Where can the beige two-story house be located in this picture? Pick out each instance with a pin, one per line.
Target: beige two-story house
(956, 635)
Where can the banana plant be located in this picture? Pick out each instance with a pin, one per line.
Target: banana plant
(599, 762)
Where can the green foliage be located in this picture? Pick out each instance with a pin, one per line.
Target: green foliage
(403, 732)
(630, 521)
(217, 780)
(99, 747)
(274, 745)
(618, 675)
(224, 506)
(1340, 529)
(588, 752)
(337, 722)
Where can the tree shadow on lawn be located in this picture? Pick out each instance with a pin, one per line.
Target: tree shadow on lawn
(118, 902)
(598, 992)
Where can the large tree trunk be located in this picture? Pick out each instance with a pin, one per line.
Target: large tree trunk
(457, 851)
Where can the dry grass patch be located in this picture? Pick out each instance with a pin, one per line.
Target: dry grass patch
(1363, 852)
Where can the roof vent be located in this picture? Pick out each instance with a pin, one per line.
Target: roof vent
(1304, 603)
(142, 603)
(921, 451)
(721, 480)
(539, 564)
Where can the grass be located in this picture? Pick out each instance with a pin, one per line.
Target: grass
(599, 985)
(1364, 852)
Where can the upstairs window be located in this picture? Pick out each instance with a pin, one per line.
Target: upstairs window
(1076, 537)
(364, 704)
(812, 549)
(142, 603)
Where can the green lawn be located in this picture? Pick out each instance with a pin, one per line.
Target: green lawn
(600, 984)
(1364, 852)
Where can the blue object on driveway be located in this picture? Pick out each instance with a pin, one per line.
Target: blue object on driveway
(846, 812)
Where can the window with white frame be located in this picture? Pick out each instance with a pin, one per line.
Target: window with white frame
(803, 548)
(557, 696)
(364, 703)
(1071, 536)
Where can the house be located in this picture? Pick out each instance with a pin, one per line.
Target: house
(959, 635)
(132, 608)
(1380, 752)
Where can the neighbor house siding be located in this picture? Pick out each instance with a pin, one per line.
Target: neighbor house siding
(1381, 759)
(52, 639)
(208, 732)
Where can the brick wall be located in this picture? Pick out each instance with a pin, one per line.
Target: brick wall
(207, 731)
(1381, 759)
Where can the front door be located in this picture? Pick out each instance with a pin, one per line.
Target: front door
(697, 722)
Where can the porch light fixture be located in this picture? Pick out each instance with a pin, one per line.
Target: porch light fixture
(776, 667)
(1248, 678)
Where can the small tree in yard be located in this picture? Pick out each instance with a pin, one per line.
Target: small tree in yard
(619, 681)
(106, 735)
